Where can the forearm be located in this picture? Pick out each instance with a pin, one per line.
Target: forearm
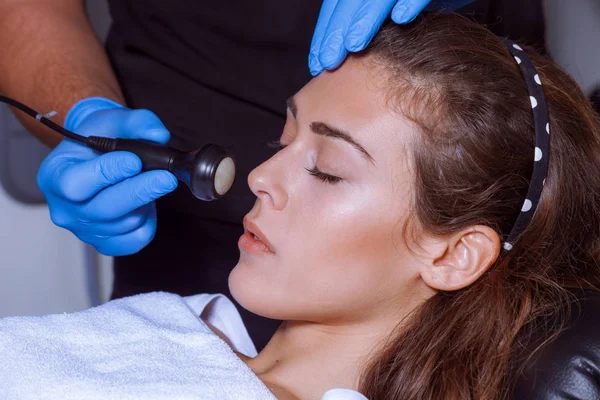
(50, 58)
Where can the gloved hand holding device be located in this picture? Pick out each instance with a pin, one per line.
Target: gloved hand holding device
(104, 199)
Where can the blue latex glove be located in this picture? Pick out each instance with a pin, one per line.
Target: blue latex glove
(349, 25)
(104, 199)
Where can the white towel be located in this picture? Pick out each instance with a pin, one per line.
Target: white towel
(151, 346)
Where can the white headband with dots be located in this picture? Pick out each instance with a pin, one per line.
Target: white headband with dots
(542, 142)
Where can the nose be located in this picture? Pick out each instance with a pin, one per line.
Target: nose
(267, 182)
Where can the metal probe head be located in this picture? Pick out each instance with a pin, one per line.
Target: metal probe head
(208, 172)
(225, 176)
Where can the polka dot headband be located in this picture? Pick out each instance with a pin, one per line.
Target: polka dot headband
(542, 142)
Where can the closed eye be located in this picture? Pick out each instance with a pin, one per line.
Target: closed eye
(314, 171)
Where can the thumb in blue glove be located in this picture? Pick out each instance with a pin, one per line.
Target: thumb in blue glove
(104, 199)
(349, 25)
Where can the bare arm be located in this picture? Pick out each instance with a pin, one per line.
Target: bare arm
(50, 58)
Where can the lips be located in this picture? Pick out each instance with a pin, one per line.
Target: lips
(251, 227)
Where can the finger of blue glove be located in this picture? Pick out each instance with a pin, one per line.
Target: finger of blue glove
(124, 123)
(128, 243)
(366, 23)
(49, 175)
(118, 200)
(144, 124)
(103, 117)
(407, 10)
(333, 51)
(69, 150)
(327, 9)
(120, 226)
(76, 181)
(85, 107)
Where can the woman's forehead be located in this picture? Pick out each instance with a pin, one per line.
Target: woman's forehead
(355, 99)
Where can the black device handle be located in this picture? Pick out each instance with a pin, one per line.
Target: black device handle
(197, 169)
(153, 155)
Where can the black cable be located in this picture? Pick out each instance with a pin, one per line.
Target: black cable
(43, 119)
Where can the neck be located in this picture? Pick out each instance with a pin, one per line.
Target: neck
(304, 359)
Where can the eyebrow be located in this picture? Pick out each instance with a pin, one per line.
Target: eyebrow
(323, 129)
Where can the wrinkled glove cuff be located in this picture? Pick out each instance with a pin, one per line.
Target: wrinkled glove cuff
(83, 108)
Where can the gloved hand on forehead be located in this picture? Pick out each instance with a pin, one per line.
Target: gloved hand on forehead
(105, 200)
(349, 25)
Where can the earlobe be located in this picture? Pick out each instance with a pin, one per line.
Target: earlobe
(467, 255)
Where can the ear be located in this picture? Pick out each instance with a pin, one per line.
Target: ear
(457, 261)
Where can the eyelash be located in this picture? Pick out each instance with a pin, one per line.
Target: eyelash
(314, 171)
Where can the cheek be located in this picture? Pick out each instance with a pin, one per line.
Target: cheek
(347, 258)
(351, 241)
(358, 226)
(355, 249)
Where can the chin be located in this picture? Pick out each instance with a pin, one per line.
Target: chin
(249, 290)
(258, 293)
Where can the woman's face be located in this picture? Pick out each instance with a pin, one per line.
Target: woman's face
(331, 204)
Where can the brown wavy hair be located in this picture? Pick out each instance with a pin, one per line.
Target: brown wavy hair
(473, 160)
